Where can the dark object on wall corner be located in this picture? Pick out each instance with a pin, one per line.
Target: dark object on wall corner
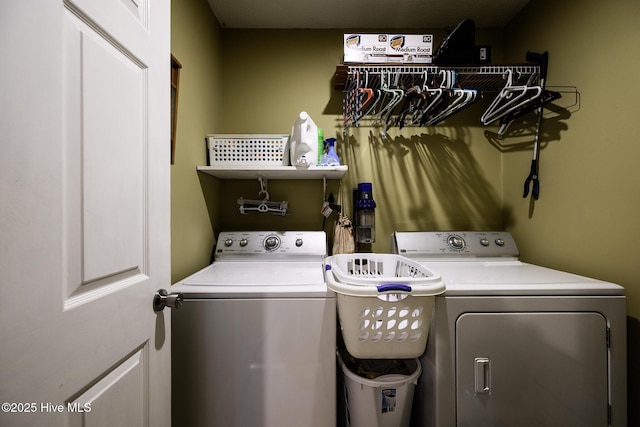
(483, 54)
(459, 47)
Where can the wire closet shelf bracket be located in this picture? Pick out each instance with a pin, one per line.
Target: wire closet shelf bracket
(411, 95)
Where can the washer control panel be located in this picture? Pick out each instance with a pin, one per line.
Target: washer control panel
(454, 243)
(271, 244)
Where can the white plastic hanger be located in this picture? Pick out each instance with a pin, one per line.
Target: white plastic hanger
(509, 99)
(264, 205)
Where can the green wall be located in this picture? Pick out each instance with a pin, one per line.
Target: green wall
(195, 42)
(443, 177)
(586, 220)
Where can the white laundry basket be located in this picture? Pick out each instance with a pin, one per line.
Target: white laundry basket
(383, 401)
(385, 303)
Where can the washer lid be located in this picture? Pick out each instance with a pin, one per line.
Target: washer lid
(258, 274)
(241, 280)
(512, 277)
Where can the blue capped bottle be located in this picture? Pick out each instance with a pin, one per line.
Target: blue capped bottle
(365, 214)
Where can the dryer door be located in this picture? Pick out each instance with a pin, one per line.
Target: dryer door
(532, 369)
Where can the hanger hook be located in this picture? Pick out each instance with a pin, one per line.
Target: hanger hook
(263, 187)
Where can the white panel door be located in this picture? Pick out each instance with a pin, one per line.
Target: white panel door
(84, 212)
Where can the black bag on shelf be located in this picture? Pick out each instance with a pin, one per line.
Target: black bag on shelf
(459, 46)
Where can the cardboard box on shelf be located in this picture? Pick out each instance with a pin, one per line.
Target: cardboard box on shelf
(410, 48)
(365, 48)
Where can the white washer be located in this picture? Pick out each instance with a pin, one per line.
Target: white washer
(254, 341)
(515, 344)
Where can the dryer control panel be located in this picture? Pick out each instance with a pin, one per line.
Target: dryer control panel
(425, 244)
(271, 244)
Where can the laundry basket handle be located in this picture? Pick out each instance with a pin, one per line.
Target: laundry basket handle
(388, 287)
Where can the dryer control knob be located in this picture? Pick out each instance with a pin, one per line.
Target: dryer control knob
(298, 242)
(500, 242)
(484, 242)
(228, 242)
(243, 242)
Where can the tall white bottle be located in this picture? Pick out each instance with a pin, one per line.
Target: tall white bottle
(304, 142)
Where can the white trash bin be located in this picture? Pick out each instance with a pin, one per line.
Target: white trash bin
(384, 401)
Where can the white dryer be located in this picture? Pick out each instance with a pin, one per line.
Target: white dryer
(515, 344)
(254, 341)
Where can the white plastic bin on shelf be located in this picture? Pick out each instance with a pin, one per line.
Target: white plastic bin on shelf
(383, 401)
(243, 150)
(385, 303)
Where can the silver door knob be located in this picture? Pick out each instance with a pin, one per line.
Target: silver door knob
(162, 299)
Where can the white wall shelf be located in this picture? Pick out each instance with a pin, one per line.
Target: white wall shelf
(274, 172)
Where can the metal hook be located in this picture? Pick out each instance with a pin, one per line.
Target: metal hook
(263, 187)
(324, 188)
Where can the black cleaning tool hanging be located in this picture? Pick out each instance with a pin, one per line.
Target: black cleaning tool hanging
(459, 46)
(543, 60)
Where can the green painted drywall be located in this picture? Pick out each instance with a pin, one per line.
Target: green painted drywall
(195, 42)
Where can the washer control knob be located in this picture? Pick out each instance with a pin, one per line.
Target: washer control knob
(271, 243)
(500, 242)
(298, 242)
(243, 242)
(484, 242)
(456, 242)
(228, 242)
